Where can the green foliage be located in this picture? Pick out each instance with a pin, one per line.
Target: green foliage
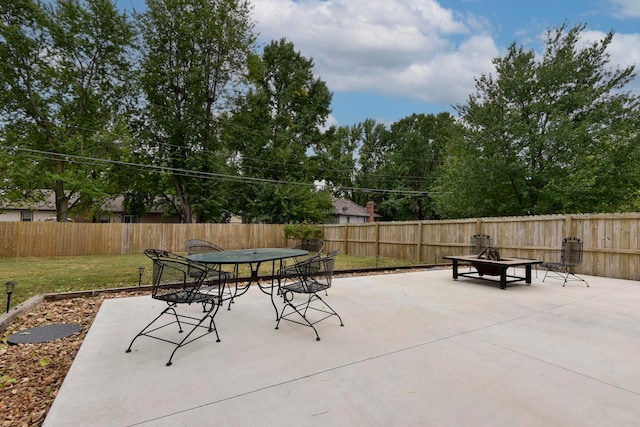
(6, 380)
(405, 159)
(275, 135)
(193, 63)
(63, 73)
(546, 135)
(550, 133)
(302, 231)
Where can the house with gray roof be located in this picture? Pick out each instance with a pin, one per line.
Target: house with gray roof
(349, 212)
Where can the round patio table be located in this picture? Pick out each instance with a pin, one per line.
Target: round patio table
(254, 258)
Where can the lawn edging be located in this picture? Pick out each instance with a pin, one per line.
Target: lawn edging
(6, 319)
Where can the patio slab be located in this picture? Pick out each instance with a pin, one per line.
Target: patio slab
(417, 349)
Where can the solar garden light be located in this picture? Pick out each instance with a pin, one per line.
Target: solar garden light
(10, 286)
(140, 273)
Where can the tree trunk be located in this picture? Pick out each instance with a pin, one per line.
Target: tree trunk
(183, 196)
(62, 201)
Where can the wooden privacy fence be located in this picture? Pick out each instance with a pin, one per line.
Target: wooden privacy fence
(611, 247)
(38, 239)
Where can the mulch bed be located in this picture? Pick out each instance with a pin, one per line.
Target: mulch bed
(31, 374)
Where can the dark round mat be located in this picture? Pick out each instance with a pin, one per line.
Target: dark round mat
(43, 333)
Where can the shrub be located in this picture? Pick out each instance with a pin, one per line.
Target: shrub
(302, 231)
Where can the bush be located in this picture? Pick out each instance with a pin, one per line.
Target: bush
(302, 231)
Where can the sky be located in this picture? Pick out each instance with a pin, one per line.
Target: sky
(388, 59)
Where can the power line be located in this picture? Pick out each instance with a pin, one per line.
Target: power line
(277, 166)
(50, 155)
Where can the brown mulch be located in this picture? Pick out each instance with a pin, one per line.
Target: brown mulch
(31, 374)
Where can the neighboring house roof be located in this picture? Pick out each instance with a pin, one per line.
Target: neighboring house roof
(349, 208)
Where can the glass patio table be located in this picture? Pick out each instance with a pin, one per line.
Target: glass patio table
(254, 258)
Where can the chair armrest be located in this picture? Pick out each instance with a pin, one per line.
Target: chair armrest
(308, 266)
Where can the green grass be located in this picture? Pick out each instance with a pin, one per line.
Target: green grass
(49, 275)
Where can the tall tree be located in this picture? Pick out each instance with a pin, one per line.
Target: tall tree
(406, 163)
(194, 65)
(546, 135)
(277, 132)
(337, 160)
(373, 147)
(63, 70)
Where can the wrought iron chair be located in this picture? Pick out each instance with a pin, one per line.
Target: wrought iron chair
(177, 281)
(478, 243)
(313, 276)
(197, 246)
(314, 246)
(570, 258)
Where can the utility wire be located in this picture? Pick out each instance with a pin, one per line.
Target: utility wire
(49, 155)
(277, 166)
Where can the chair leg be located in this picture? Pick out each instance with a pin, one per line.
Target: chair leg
(189, 320)
(576, 278)
(295, 310)
(211, 328)
(564, 275)
(146, 330)
(303, 312)
(330, 313)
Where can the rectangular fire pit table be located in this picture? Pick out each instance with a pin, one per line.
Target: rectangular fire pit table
(490, 267)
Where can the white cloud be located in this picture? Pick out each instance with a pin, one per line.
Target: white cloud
(627, 8)
(624, 51)
(404, 48)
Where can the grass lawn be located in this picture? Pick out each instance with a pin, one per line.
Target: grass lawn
(64, 274)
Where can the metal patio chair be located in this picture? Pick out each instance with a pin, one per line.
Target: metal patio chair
(314, 275)
(314, 246)
(197, 246)
(478, 243)
(211, 282)
(570, 257)
(178, 282)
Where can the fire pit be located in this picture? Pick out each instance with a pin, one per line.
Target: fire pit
(489, 253)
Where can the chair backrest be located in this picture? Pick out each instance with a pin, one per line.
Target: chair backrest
(197, 246)
(157, 255)
(162, 255)
(571, 251)
(314, 246)
(317, 270)
(170, 274)
(327, 266)
(479, 242)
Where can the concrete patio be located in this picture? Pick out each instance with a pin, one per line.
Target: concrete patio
(417, 349)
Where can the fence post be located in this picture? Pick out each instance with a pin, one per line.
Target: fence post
(479, 226)
(377, 225)
(568, 230)
(346, 239)
(419, 248)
